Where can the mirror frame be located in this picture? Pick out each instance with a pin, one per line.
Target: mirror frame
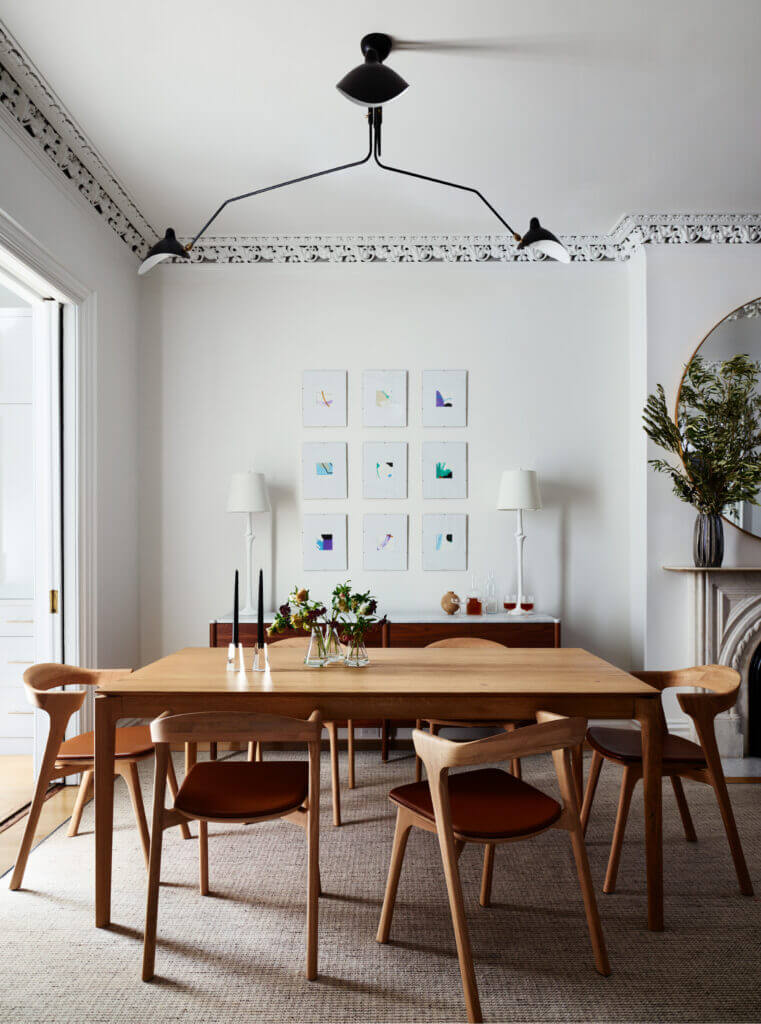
(703, 340)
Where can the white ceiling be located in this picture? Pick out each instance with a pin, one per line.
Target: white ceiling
(576, 111)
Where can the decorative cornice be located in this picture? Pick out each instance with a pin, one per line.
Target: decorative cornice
(34, 110)
(626, 237)
(41, 117)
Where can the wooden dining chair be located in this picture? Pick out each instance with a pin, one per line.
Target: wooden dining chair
(255, 750)
(434, 724)
(77, 755)
(682, 759)
(247, 792)
(490, 806)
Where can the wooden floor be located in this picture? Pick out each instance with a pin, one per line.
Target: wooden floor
(16, 783)
(16, 791)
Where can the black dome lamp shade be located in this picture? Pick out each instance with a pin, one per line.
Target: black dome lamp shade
(164, 249)
(372, 84)
(539, 239)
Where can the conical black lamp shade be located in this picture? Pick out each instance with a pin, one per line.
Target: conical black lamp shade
(371, 84)
(541, 240)
(165, 248)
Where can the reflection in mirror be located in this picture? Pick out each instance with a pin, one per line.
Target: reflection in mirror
(739, 333)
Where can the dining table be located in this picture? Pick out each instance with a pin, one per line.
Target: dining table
(399, 683)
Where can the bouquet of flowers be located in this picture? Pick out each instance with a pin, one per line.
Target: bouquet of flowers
(355, 614)
(311, 616)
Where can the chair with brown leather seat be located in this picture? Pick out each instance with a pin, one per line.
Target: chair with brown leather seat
(682, 758)
(434, 724)
(490, 806)
(236, 791)
(77, 755)
(332, 728)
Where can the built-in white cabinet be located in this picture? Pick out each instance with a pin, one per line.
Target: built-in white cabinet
(17, 517)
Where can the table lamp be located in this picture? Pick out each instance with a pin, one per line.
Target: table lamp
(248, 493)
(519, 489)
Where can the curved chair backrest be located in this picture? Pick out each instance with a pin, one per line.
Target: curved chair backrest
(293, 641)
(209, 725)
(40, 679)
(721, 683)
(552, 732)
(464, 641)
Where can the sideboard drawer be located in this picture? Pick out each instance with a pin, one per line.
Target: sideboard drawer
(222, 634)
(511, 634)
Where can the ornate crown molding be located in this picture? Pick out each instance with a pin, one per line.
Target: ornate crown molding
(31, 107)
(626, 237)
(41, 118)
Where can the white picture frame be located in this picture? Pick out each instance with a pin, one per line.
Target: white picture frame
(384, 542)
(384, 469)
(384, 398)
(323, 470)
(445, 469)
(316, 531)
(323, 398)
(445, 542)
(445, 398)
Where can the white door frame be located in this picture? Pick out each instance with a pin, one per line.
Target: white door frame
(30, 263)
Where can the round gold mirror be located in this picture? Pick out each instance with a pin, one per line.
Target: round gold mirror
(738, 333)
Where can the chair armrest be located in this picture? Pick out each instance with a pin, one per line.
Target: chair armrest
(554, 733)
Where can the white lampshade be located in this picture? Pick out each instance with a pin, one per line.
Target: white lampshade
(248, 493)
(519, 488)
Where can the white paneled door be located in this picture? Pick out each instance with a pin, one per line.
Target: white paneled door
(30, 513)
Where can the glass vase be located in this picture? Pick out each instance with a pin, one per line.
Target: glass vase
(356, 653)
(316, 655)
(333, 650)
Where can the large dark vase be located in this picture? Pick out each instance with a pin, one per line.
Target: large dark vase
(708, 541)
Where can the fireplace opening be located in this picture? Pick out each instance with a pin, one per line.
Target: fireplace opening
(754, 704)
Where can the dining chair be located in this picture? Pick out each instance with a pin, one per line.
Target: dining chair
(490, 806)
(682, 759)
(247, 792)
(332, 727)
(64, 757)
(434, 724)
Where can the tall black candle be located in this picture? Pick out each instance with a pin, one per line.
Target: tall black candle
(235, 612)
(260, 620)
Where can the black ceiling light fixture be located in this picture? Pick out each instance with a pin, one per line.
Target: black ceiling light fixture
(370, 85)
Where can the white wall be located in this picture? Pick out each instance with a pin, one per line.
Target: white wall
(689, 289)
(546, 348)
(81, 241)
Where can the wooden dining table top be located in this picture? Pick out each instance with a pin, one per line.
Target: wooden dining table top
(546, 671)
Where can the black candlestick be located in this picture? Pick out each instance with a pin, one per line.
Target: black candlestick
(235, 611)
(260, 620)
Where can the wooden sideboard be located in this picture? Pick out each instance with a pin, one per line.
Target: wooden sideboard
(417, 629)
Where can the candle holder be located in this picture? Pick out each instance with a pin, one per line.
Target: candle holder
(231, 657)
(241, 658)
(261, 658)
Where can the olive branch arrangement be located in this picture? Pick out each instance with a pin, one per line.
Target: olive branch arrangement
(716, 436)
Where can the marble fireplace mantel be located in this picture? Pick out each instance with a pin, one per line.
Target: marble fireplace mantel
(726, 630)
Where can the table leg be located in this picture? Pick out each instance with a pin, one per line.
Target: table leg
(191, 756)
(105, 741)
(648, 714)
(384, 739)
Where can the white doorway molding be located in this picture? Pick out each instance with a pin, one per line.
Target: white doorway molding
(33, 267)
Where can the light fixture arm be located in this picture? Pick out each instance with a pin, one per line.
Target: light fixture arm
(377, 120)
(282, 184)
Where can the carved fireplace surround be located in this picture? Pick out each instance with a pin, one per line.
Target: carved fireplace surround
(726, 630)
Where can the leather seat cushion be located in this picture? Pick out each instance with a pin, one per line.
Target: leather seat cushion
(243, 789)
(131, 741)
(626, 745)
(487, 803)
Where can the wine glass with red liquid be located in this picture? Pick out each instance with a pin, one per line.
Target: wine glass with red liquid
(510, 602)
(527, 603)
